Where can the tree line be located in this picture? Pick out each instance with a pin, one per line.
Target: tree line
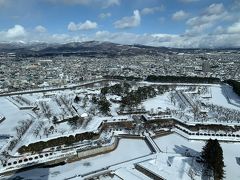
(66, 140)
(235, 85)
(128, 78)
(182, 79)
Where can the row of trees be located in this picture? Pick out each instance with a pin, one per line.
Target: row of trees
(223, 114)
(235, 85)
(21, 100)
(182, 79)
(39, 146)
(128, 78)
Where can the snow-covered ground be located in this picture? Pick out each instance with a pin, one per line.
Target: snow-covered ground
(160, 102)
(174, 147)
(176, 144)
(171, 167)
(3, 142)
(12, 116)
(220, 94)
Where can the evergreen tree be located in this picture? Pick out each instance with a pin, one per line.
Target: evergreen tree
(76, 99)
(104, 105)
(212, 155)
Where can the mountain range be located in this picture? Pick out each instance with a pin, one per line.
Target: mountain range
(90, 48)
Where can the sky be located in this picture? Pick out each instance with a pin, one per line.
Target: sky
(170, 23)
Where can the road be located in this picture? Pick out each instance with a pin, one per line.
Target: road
(53, 89)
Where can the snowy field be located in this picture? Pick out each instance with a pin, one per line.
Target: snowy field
(126, 150)
(2, 143)
(159, 102)
(176, 144)
(13, 115)
(220, 94)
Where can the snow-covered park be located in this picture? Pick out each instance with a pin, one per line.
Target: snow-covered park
(40, 117)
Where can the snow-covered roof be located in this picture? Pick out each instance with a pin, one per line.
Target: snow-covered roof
(84, 115)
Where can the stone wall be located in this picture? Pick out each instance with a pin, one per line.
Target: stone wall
(98, 150)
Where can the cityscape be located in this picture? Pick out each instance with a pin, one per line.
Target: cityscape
(115, 97)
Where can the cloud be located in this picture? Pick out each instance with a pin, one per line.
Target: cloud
(16, 32)
(104, 15)
(87, 25)
(40, 29)
(101, 3)
(151, 10)
(180, 15)
(109, 3)
(129, 22)
(170, 40)
(215, 9)
(72, 26)
(235, 28)
(224, 39)
(212, 15)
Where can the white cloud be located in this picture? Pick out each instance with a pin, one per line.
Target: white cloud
(87, 25)
(235, 28)
(72, 26)
(129, 22)
(215, 9)
(171, 40)
(40, 29)
(109, 3)
(151, 10)
(212, 15)
(104, 15)
(16, 32)
(180, 15)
